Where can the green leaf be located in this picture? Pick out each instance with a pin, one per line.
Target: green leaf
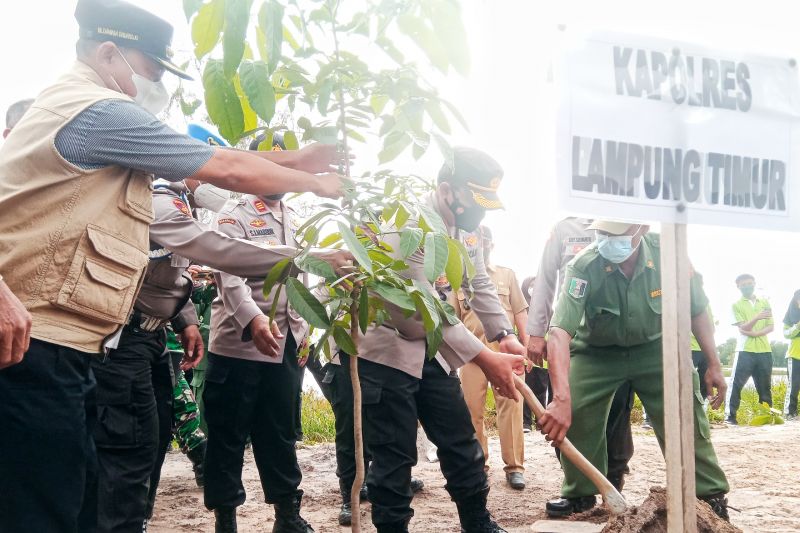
(466, 259)
(425, 306)
(258, 88)
(270, 22)
(761, 420)
(409, 241)
(266, 144)
(290, 140)
(344, 341)
(222, 102)
(237, 15)
(377, 102)
(434, 340)
(318, 267)
(363, 310)
(324, 98)
(435, 255)
(190, 7)
(449, 28)
(330, 240)
(455, 267)
(393, 146)
(306, 305)
(393, 295)
(355, 247)
(402, 217)
(274, 275)
(430, 220)
(250, 117)
(207, 26)
(425, 38)
(434, 110)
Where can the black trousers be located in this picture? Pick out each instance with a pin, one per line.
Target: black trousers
(257, 399)
(340, 386)
(701, 364)
(619, 440)
(794, 385)
(757, 365)
(538, 380)
(131, 427)
(393, 401)
(48, 464)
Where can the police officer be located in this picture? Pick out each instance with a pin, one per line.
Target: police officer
(610, 310)
(400, 385)
(253, 381)
(568, 238)
(473, 381)
(75, 177)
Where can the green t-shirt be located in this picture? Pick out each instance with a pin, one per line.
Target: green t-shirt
(745, 310)
(696, 345)
(600, 307)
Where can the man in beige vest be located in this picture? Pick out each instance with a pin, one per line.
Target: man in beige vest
(75, 198)
(474, 381)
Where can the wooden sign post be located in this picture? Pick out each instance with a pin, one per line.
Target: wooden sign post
(678, 386)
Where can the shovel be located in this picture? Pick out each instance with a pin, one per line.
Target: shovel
(612, 498)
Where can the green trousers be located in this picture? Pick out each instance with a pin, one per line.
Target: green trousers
(595, 375)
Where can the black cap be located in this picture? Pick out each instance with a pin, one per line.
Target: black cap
(128, 26)
(277, 142)
(477, 171)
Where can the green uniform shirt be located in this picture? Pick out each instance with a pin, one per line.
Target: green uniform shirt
(600, 307)
(745, 310)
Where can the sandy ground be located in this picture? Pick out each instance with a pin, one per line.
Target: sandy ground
(762, 464)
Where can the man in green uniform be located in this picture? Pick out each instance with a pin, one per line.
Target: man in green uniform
(608, 320)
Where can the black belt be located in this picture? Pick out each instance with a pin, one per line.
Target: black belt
(144, 322)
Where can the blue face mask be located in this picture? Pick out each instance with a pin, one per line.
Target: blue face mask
(616, 248)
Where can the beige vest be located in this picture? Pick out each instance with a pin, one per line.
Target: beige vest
(73, 243)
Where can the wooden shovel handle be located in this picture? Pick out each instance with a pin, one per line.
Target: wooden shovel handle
(611, 496)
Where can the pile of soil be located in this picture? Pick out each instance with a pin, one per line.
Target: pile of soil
(651, 517)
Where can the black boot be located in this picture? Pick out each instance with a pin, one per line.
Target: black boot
(473, 515)
(395, 527)
(345, 513)
(618, 480)
(225, 520)
(561, 507)
(416, 485)
(287, 516)
(196, 455)
(718, 504)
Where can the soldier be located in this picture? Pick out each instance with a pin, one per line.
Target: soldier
(400, 385)
(252, 386)
(610, 311)
(568, 238)
(75, 198)
(473, 380)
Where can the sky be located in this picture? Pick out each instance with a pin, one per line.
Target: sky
(509, 102)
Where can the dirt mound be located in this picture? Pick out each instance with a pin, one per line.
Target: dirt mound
(651, 517)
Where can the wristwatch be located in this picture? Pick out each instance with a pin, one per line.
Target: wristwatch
(503, 334)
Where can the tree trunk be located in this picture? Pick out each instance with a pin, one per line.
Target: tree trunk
(355, 500)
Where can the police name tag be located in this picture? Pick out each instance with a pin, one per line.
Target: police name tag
(577, 287)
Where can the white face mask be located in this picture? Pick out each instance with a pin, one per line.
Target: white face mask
(151, 95)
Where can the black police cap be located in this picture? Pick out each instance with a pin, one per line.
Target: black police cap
(129, 26)
(477, 171)
(277, 142)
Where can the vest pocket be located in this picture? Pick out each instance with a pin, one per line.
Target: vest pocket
(138, 198)
(103, 277)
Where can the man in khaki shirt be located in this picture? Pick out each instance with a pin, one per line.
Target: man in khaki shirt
(474, 382)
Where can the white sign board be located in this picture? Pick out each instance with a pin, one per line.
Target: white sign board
(653, 129)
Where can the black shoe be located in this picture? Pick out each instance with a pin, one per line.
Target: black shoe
(618, 480)
(416, 485)
(396, 527)
(225, 520)
(526, 428)
(196, 455)
(718, 504)
(474, 517)
(731, 422)
(561, 507)
(345, 514)
(516, 480)
(287, 516)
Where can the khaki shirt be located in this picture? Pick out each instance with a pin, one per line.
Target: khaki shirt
(509, 293)
(241, 300)
(601, 308)
(176, 241)
(568, 238)
(400, 342)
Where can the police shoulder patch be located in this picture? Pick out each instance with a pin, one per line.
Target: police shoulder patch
(577, 287)
(181, 207)
(226, 221)
(260, 206)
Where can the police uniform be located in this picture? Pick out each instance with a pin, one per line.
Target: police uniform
(399, 385)
(615, 323)
(569, 237)
(247, 392)
(474, 382)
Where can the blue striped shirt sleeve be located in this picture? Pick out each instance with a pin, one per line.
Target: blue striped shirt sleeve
(119, 132)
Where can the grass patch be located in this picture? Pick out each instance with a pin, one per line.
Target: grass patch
(317, 419)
